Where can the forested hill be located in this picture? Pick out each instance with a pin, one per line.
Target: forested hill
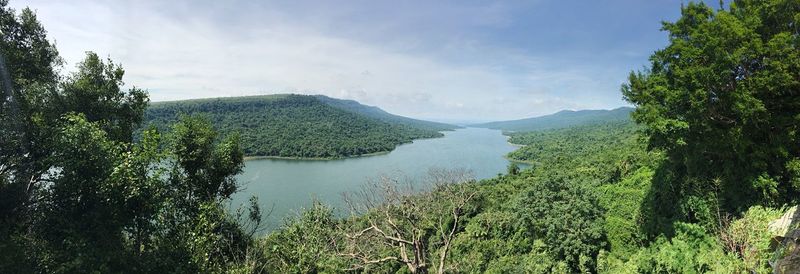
(562, 119)
(305, 126)
(377, 113)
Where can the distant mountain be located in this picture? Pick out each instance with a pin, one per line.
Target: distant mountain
(302, 126)
(377, 113)
(561, 119)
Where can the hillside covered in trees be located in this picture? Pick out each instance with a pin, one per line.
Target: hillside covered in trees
(562, 119)
(302, 126)
(377, 113)
(693, 184)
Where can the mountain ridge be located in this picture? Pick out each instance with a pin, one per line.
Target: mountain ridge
(380, 114)
(561, 119)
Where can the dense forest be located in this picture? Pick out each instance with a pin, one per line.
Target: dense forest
(692, 184)
(299, 125)
(572, 142)
(562, 119)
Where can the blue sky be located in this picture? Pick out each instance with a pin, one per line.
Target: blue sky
(451, 61)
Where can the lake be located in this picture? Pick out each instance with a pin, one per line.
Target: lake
(287, 186)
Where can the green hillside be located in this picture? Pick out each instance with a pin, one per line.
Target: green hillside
(562, 119)
(377, 113)
(548, 145)
(296, 125)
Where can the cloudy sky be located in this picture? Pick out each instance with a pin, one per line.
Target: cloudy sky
(444, 60)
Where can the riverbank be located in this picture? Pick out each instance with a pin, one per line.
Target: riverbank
(259, 157)
(252, 158)
(529, 163)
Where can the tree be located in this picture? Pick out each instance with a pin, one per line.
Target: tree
(306, 243)
(722, 100)
(201, 178)
(95, 90)
(77, 194)
(100, 192)
(407, 227)
(25, 42)
(28, 63)
(567, 217)
(513, 168)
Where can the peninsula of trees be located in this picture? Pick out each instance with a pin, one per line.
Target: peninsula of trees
(301, 126)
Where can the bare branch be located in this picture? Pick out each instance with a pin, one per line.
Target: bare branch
(401, 218)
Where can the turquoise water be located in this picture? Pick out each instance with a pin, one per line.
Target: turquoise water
(287, 186)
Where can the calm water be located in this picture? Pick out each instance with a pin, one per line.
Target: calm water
(287, 186)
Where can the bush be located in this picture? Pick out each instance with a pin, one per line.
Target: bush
(749, 238)
(692, 250)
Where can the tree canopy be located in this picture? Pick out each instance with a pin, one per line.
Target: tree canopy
(723, 101)
(302, 126)
(77, 195)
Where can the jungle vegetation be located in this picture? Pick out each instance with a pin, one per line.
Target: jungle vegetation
(710, 157)
(302, 126)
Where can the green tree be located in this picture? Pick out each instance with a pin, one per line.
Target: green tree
(77, 195)
(567, 217)
(513, 168)
(722, 101)
(306, 244)
(201, 179)
(25, 42)
(95, 90)
(99, 193)
(35, 59)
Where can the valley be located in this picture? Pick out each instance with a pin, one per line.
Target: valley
(690, 164)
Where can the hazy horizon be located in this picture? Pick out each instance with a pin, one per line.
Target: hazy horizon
(455, 62)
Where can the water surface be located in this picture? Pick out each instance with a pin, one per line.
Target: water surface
(287, 186)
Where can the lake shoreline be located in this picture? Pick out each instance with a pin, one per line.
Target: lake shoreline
(286, 186)
(378, 153)
(254, 158)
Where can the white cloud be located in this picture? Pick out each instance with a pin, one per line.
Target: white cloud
(195, 55)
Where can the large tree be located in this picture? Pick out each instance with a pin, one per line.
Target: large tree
(723, 100)
(24, 44)
(78, 195)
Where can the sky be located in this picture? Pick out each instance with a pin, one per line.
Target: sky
(451, 61)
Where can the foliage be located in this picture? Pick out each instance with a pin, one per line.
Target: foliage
(623, 215)
(606, 151)
(306, 244)
(749, 238)
(718, 110)
(567, 217)
(293, 125)
(513, 168)
(78, 196)
(562, 119)
(95, 91)
(721, 101)
(692, 250)
(23, 42)
(95, 198)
